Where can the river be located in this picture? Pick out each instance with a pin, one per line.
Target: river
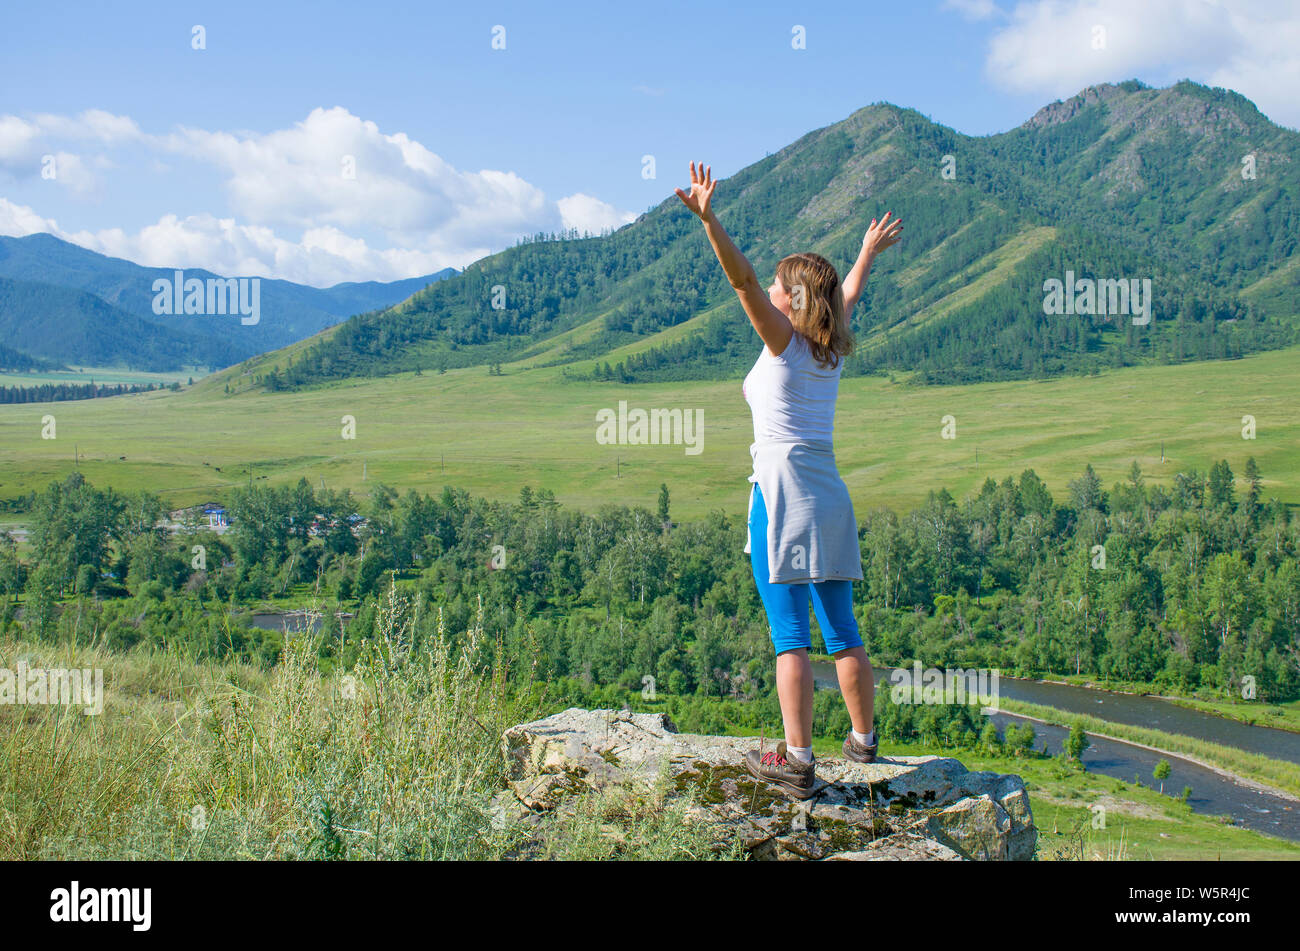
(289, 621)
(1212, 793)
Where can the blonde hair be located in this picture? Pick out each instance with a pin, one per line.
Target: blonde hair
(818, 312)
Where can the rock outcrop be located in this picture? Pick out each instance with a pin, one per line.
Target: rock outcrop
(903, 807)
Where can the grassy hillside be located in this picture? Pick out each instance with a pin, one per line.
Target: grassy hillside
(203, 760)
(494, 434)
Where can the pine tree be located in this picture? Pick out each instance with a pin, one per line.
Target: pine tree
(1222, 491)
(1252, 477)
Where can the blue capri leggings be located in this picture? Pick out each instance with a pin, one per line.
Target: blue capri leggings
(787, 604)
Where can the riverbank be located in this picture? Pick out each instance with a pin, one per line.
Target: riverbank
(1137, 823)
(1277, 716)
(1249, 769)
(1231, 767)
(1140, 823)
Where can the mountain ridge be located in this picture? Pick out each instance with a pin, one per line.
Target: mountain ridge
(1125, 177)
(35, 265)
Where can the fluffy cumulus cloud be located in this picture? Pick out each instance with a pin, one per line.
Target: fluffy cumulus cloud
(18, 141)
(300, 198)
(19, 220)
(587, 213)
(40, 147)
(1057, 47)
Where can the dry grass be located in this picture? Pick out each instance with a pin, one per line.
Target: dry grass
(397, 758)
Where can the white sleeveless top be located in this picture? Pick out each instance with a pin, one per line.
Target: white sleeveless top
(812, 533)
(791, 396)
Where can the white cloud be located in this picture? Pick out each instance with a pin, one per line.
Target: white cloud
(93, 124)
(1252, 46)
(18, 141)
(322, 257)
(330, 178)
(586, 213)
(19, 220)
(29, 148)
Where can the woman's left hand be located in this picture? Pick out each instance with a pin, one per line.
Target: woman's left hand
(883, 234)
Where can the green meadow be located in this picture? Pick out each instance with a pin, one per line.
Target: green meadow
(532, 426)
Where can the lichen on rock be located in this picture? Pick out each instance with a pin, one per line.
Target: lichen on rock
(903, 807)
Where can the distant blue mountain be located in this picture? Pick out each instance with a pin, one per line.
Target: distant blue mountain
(66, 326)
(65, 303)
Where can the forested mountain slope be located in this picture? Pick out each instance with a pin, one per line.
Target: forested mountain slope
(70, 304)
(1188, 187)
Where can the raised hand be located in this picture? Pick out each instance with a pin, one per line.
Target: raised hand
(883, 234)
(701, 194)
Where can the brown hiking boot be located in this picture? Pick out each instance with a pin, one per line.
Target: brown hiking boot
(859, 752)
(795, 778)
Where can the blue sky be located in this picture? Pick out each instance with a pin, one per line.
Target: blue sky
(117, 134)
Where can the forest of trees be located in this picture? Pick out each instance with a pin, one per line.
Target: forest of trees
(17, 361)
(53, 392)
(1197, 585)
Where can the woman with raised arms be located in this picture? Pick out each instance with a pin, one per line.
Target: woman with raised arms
(803, 537)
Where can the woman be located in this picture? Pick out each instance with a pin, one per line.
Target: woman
(803, 538)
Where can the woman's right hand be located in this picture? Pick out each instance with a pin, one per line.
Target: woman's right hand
(883, 234)
(701, 194)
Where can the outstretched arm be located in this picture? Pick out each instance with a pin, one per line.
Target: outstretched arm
(881, 235)
(773, 326)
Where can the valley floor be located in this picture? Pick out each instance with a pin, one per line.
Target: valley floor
(491, 435)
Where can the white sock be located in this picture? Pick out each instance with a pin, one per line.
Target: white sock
(866, 739)
(802, 754)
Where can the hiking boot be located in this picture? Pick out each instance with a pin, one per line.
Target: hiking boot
(860, 752)
(795, 778)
